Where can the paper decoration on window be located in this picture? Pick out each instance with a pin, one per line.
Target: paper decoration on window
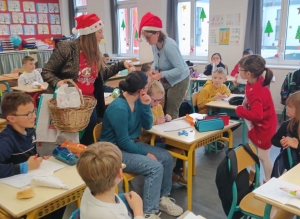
(269, 28)
(134, 12)
(55, 29)
(271, 4)
(202, 15)
(13, 5)
(16, 29)
(5, 18)
(43, 18)
(183, 7)
(192, 49)
(53, 8)
(136, 36)
(42, 8)
(273, 44)
(3, 6)
(298, 10)
(28, 7)
(290, 27)
(54, 19)
(276, 56)
(4, 30)
(43, 29)
(183, 38)
(298, 34)
(31, 18)
(29, 30)
(18, 17)
(123, 24)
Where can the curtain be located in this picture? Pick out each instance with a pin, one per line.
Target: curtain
(172, 28)
(114, 26)
(72, 14)
(253, 31)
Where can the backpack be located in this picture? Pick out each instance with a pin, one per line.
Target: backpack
(281, 164)
(290, 85)
(225, 179)
(295, 82)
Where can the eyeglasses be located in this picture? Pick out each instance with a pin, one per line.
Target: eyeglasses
(158, 100)
(29, 115)
(148, 37)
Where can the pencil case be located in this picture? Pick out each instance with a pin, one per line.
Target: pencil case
(222, 116)
(64, 154)
(206, 125)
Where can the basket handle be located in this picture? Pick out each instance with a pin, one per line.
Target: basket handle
(80, 94)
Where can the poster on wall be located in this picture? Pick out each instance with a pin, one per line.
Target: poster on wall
(5, 18)
(217, 21)
(3, 6)
(42, 8)
(213, 36)
(235, 36)
(53, 8)
(224, 36)
(13, 6)
(43, 19)
(31, 18)
(43, 29)
(16, 29)
(55, 29)
(29, 30)
(4, 30)
(233, 20)
(28, 7)
(54, 19)
(18, 17)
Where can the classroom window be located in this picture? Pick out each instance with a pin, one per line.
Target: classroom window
(281, 31)
(193, 28)
(81, 7)
(128, 27)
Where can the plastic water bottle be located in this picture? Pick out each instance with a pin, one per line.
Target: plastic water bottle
(115, 93)
(213, 67)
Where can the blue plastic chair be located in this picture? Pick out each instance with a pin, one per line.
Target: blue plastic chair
(75, 214)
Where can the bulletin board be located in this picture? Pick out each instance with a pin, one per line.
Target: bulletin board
(39, 19)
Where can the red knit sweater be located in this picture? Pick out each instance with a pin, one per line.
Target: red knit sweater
(261, 113)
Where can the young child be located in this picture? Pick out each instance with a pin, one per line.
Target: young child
(258, 107)
(157, 94)
(147, 68)
(100, 168)
(288, 134)
(235, 71)
(106, 58)
(216, 60)
(30, 75)
(213, 90)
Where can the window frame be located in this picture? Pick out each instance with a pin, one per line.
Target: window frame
(193, 33)
(127, 4)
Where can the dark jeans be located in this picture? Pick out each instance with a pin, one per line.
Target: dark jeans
(87, 137)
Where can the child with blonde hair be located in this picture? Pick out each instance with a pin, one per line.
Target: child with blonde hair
(30, 74)
(100, 167)
(258, 107)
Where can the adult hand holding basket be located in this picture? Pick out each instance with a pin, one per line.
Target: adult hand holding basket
(72, 119)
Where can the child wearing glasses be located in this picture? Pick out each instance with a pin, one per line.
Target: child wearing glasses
(157, 94)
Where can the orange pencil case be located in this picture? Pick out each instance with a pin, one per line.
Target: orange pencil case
(75, 148)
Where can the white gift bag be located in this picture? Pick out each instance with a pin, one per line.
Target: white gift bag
(67, 97)
(45, 130)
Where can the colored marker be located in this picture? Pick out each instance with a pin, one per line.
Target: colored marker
(295, 193)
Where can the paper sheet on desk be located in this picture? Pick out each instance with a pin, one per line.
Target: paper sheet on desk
(106, 94)
(174, 125)
(18, 181)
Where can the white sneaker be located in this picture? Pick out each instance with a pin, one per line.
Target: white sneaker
(152, 216)
(167, 205)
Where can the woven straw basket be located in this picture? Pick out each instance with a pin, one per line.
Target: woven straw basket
(72, 119)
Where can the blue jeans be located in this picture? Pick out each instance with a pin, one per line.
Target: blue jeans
(158, 174)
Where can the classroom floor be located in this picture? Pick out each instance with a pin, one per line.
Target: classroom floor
(206, 201)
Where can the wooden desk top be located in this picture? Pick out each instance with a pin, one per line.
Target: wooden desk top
(291, 176)
(207, 78)
(108, 100)
(2, 121)
(193, 136)
(43, 195)
(115, 77)
(222, 103)
(27, 89)
(11, 76)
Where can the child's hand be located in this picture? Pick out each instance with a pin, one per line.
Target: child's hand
(288, 141)
(34, 162)
(46, 157)
(217, 96)
(135, 202)
(60, 83)
(145, 99)
(168, 117)
(224, 96)
(156, 76)
(160, 120)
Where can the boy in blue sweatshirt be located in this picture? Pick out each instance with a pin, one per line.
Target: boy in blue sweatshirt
(18, 144)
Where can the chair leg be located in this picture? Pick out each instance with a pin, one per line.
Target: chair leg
(126, 186)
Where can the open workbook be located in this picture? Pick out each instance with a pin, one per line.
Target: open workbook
(272, 190)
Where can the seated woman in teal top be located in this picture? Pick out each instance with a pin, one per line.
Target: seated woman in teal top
(122, 124)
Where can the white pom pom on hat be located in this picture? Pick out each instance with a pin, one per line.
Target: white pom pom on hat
(74, 31)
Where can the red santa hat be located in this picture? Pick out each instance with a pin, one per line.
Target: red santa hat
(150, 22)
(87, 24)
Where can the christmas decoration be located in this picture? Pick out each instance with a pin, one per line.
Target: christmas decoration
(298, 10)
(271, 3)
(134, 12)
(269, 28)
(276, 56)
(183, 7)
(290, 27)
(298, 34)
(123, 24)
(136, 35)
(183, 38)
(202, 15)
(192, 49)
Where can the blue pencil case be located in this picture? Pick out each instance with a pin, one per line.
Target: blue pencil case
(206, 125)
(64, 154)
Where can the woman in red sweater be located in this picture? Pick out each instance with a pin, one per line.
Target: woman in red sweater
(258, 107)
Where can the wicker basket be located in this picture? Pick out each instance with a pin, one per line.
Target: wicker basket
(72, 119)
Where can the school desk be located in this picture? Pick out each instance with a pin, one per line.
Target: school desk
(33, 92)
(291, 176)
(190, 143)
(46, 200)
(2, 124)
(225, 107)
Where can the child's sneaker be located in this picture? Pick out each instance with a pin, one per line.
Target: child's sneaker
(176, 178)
(182, 181)
(221, 146)
(152, 216)
(168, 205)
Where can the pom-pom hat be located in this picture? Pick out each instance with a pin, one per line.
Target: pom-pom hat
(150, 22)
(87, 24)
